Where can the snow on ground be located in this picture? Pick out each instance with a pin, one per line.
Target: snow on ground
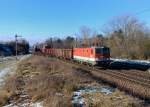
(142, 62)
(3, 73)
(77, 98)
(5, 59)
(23, 57)
(20, 57)
(10, 66)
(8, 69)
(37, 104)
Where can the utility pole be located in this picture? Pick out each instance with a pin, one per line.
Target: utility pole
(16, 40)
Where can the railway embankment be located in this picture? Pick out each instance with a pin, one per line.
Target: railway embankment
(47, 82)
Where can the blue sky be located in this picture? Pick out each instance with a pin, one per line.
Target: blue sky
(36, 20)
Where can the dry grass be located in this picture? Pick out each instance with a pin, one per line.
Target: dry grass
(115, 100)
(53, 82)
(49, 80)
(11, 85)
(3, 97)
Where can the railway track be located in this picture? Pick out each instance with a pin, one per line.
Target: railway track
(138, 82)
(134, 78)
(141, 74)
(117, 74)
(134, 83)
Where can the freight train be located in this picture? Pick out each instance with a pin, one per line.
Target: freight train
(91, 55)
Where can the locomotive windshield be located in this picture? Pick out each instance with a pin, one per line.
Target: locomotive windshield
(102, 51)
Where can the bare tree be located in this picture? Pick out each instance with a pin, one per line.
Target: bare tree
(85, 33)
(126, 37)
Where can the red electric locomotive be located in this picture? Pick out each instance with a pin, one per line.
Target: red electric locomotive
(94, 55)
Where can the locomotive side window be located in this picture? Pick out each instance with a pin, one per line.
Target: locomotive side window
(102, 51)
(106, 51)
(98, 51)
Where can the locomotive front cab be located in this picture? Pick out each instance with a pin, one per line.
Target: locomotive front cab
(102, 55)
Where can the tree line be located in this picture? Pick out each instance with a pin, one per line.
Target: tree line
(10, 47)
(126, 37)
